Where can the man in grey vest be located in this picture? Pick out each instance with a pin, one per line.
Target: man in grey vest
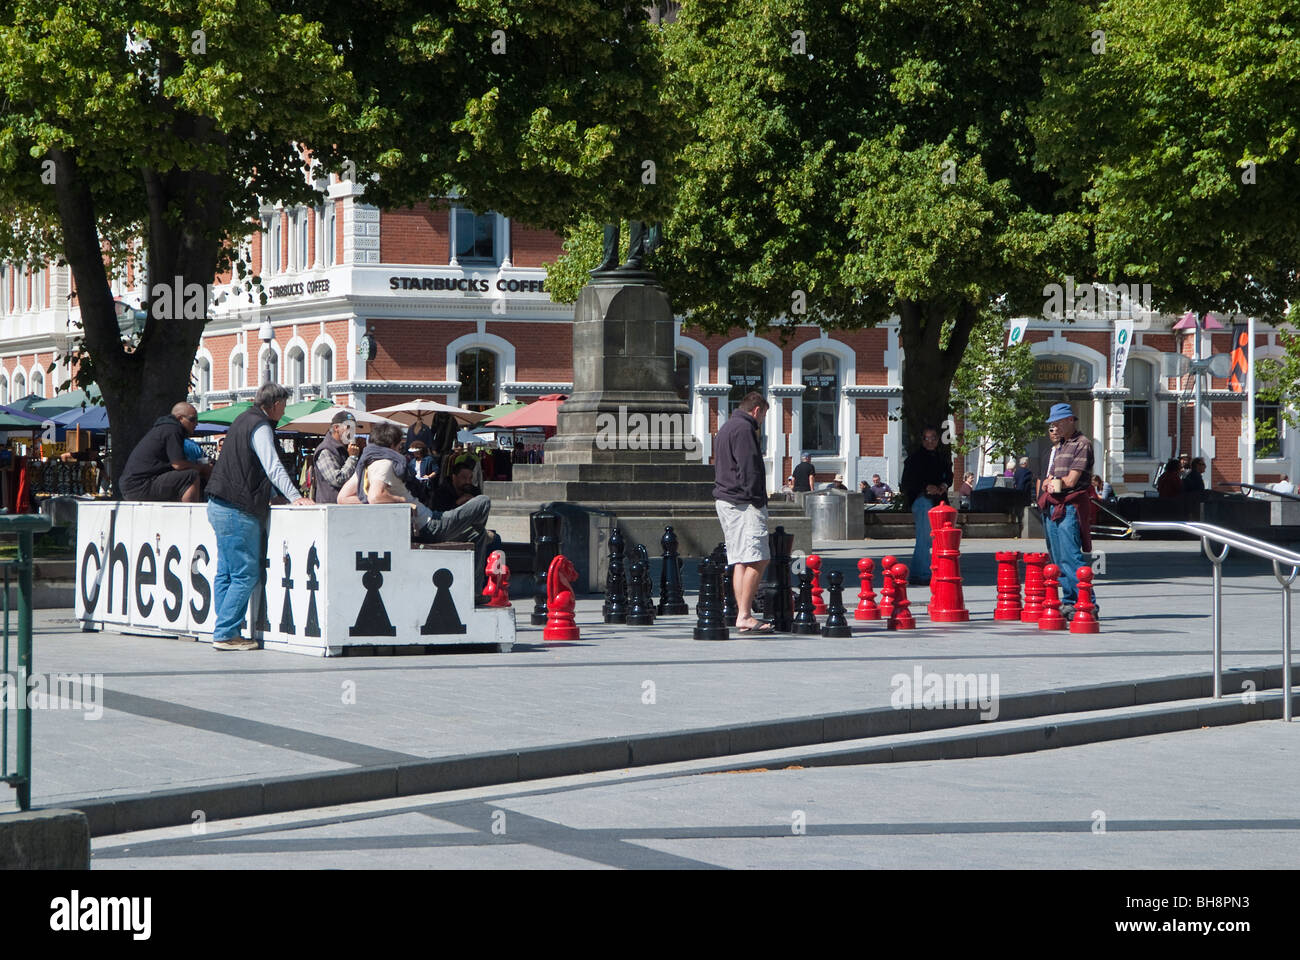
(239, 508)
(336, 458)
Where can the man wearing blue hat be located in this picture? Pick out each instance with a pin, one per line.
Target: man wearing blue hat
(1067, 500)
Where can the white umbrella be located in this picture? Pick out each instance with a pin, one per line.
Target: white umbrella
(319, 422)
(424, 411)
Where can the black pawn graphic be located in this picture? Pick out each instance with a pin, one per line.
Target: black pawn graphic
(286, 613)
(805, 621)
(372, 618)
(442, 617)
(709, 624)
(616, 600)
(837, 623)
(312, 629)
(671, 600)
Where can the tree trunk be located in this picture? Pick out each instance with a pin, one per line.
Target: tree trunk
(929, 367)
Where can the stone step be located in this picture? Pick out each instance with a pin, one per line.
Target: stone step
(613, 473)
(592, 493)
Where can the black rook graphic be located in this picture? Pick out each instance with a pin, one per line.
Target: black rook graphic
(372, 618)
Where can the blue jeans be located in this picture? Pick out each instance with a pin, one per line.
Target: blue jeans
(1065, 545)
(239, 565)
(921, 508)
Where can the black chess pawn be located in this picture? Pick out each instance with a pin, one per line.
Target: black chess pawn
(837, 622)
(640, 612)
(545, 528)
(805, 621)
(671, 600)
(709, 624)
(646, 590)
(616, 599)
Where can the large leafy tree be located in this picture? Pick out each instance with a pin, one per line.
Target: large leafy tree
(854, 161)
(171, 122)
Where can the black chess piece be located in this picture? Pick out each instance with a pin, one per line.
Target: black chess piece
(616, 586)
(640, 611)
(728, 591)
(671, 600)
(312, 629)
(286, 611)
(709, 624)
(837, 622)
(546, 547)
(805, 621)
(646, 589)
(777, 600)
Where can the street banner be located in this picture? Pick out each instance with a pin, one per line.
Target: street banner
(1123, 343)
(1017, 334)
(1240, 358)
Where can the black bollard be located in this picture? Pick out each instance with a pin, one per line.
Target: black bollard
(709, 625)
(671, 600)
(837, 622)
(545, 527)
(805, 621)
(615, 607)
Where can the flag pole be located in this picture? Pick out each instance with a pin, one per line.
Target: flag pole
(1249, 460)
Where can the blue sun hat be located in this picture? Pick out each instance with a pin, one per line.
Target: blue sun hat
(1060, 411)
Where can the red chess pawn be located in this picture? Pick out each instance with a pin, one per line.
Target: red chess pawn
(1051, 618)
(497, 589)
(1033, 610)
(814, 565)
(1008, 607)
(867, 609)
(1085, 611)
(901, 617)
(560, 601)
(887, 587)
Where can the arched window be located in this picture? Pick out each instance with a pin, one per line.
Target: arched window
(4, 389)
(324, 367)
(204, 379)
(821, 403)
(745, 372)
(268, 365)
(297, 367)
(20, 385)
(38, 383)
(325, 234)
(477, 372)
(683, 379)
(1139, 377)
(238, 379)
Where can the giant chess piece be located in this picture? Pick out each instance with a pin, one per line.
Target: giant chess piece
(709, 624)
(545, 529)
(814, 564)
(1008, 606)
(887, 587)
(947, 605)
(497, 574)
(639, 612)
(560, 601)
(901, 618)
(837, 624)
(1034, 590)
(867, 609)
(1085, 611)
(805, 621)
(614, 609)
(1051, 618)
(671, 600)
(730, 609)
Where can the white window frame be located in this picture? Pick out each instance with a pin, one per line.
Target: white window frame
(499, 234)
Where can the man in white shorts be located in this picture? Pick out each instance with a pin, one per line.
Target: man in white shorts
(740, 492)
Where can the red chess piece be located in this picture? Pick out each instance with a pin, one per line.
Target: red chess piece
(1033, 610)
(497, 589)
(560, 601)
(1085, 611)
(814, 565)
(887, 587)
(947, 605)
(1008, 607)
(867, 609)
(1051, 618)
(901, 618)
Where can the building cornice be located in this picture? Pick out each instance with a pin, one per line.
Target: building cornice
(862, 390)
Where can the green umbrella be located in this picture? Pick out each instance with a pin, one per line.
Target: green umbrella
(68, 400)
(501, 409)
(295, 410)
(9, 421)
(225, 415)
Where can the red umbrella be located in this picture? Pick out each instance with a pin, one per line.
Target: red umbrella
(539, 413)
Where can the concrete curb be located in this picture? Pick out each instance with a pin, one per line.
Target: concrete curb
(54, 839)
(166, 808)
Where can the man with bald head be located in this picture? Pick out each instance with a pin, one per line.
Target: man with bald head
(158, 469)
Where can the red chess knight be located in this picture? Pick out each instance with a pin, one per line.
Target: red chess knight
(560, 601)
(1085, 611)
(497, 589)
(1051, 618)
(901, 618)
(1008, 606)
(814, 565)
(867, 609)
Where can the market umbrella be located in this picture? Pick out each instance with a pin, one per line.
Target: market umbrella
(501, 409)
(319, 422)
(92, 418)
(303, 408)
(23, 414)
(425, 410)
(540, 413)
(225, 415)
(61, 403)
(26, 403)
(18, 421)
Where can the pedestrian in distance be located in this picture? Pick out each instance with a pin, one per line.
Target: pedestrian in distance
(740, 495)
(1067, 500)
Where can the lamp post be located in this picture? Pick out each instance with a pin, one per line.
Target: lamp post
(266, 334)
(1217, 366)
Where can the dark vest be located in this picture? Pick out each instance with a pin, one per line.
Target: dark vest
(321, 491)
(238, 477)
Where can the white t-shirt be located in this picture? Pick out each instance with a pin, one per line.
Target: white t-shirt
(1284, 486)
(381, 473)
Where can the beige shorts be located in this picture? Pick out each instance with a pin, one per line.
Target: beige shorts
(744, 528)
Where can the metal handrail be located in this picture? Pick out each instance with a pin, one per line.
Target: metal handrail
(1209, 533)
(1262, 489)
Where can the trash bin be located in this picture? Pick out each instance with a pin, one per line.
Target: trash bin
(835, 514)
